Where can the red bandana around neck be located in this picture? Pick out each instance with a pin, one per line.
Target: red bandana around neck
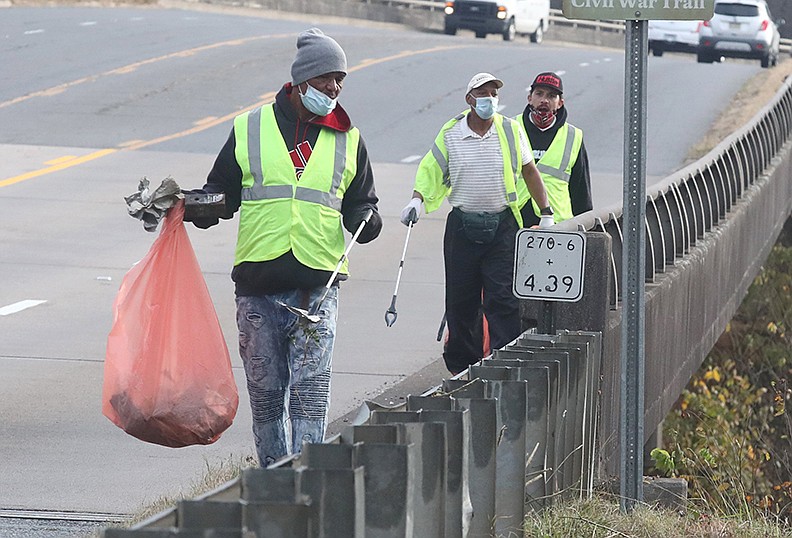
(543, 120)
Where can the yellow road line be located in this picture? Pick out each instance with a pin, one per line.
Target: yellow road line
(59, 160)
(54, 168)
(200, 125)
(55, 90)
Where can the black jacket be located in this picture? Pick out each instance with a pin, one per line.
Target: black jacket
(286, 273)
(579, 181)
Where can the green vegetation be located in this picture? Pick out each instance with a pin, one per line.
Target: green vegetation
(730, 434)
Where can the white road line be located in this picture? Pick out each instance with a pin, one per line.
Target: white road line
(31, 32)
(21, 305)
(88, 23)
(411, 159)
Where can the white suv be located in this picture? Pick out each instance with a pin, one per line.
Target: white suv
(505, 17)
(740, 29)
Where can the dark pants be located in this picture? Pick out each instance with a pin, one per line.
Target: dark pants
(469, 269)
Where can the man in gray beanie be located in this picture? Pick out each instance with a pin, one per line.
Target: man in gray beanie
(317, 54)
(280, 167)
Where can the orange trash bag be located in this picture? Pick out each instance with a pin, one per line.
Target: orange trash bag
(167, 372)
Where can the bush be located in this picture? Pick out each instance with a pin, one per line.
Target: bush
(730, 433)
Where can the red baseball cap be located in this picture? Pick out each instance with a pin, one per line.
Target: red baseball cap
(549, 80)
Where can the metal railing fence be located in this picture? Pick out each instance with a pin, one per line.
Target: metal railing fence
(465, 459)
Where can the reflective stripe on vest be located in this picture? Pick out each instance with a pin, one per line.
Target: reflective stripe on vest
(560, 172)
(516, 167)
(439, 155)
(258, 191)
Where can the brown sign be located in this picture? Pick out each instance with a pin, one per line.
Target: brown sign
(623, 10)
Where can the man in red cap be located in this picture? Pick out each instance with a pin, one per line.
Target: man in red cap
(558, 150)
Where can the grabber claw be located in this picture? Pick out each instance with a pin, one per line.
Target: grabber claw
(390, 313)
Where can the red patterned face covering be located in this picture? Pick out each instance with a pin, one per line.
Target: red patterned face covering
(542, 118)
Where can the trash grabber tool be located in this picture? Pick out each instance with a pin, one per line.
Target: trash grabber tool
(313, 316)
(390, 313)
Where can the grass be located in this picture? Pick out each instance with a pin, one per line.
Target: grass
(212, 477)
(600, 517)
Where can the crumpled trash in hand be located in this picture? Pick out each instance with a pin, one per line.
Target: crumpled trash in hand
(151, 206)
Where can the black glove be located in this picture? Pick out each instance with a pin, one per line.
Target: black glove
(202, 209)
(370, 231)
(204, 222)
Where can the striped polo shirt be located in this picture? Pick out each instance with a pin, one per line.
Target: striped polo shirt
(475, 166)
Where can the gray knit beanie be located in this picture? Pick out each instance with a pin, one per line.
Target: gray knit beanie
(317, 54)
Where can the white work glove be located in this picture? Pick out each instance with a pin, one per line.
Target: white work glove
(412, 211)
(546, 221)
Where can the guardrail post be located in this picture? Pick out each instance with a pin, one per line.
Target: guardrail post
(272, 504)
(481, 462)
(390, 476)
(591, 400)
(540, 411)
(457, 494)
(510, 449)
(574, 390)
(428, 493)
(336, 487)
(215, 515)
(562, 421)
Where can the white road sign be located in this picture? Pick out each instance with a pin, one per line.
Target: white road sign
(549, 265)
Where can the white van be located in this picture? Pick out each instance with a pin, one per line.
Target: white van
(505, 17)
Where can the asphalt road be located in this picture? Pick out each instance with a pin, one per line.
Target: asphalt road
(95, 98)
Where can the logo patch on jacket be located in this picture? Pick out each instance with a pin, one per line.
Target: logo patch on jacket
(300, 156)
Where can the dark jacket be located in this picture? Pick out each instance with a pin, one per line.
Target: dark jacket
(286, 273)
(579, 181)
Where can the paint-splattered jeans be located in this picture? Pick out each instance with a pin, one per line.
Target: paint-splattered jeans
(287, 363)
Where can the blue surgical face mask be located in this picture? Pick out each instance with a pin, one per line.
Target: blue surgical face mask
(486, 107)
(317, 102)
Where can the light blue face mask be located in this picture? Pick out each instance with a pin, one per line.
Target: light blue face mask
(316, 101)
(486, 107)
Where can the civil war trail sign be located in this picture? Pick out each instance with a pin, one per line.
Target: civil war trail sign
(623, 10)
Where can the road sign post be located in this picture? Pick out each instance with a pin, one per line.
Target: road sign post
(549, 266)
(633, 266)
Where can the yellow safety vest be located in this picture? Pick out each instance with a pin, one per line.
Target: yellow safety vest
(433, 179)
(555, 166)
(279, 213)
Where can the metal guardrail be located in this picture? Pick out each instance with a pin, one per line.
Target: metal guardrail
(693, 201)
(709, 228)
(464, 459)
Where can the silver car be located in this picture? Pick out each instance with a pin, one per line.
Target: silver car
(740, 29)
(673, 36)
